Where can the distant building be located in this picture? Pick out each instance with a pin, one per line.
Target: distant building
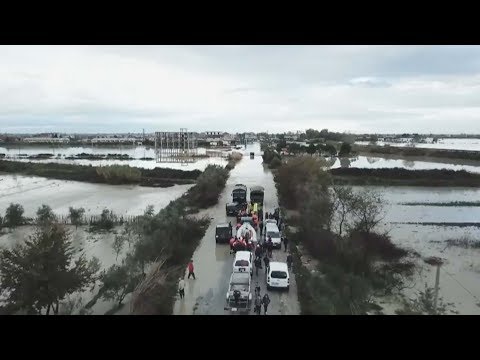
(53, 140)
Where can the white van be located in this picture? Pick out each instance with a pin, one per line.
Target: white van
(243, 262)
(271, 229)
(278, 276)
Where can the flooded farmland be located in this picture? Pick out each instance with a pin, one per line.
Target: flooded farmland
(32, 192)
(460, 275)
(447, 144)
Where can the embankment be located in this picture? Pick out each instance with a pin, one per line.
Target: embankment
(404, 177)
(114, 175)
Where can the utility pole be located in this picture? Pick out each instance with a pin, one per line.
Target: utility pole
(437, 283)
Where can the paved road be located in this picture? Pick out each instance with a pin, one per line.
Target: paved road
(213, 263)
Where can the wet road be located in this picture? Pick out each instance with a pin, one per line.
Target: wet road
(213, 263)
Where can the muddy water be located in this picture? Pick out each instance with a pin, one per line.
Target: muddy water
(373, 162)
(32, 192)
(450, 144)
(460, 276)
(213, 263)
(135, 152)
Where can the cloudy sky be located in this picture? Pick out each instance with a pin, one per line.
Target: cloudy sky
(240, 88)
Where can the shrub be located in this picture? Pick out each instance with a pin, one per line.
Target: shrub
(14, 215)
(119, 174)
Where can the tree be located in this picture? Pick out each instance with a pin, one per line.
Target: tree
(14, 215)
(76, 216)
(120, 280)
(149, 211)
(345, 149)
(118, 244)
(40, 273)
(343, 200)
(295, 174)
(45, 215)
(281, 145)
(367, 210)
(311, 149)
(312, 134)
(330, 149)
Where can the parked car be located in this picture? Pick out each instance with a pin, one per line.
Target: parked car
(271, 230)
(239, 194)
(243, 262)
(278, 276)
(223, 233)
(233, 208)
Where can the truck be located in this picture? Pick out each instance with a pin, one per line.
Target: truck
(239, 194)
(239, 295)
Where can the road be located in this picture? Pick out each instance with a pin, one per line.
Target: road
(213, 262)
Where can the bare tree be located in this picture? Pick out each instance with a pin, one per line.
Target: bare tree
(367, 210)
(343, 201)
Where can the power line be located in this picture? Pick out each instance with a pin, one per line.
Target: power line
(459, 283)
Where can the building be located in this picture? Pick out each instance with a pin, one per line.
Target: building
(47, 140)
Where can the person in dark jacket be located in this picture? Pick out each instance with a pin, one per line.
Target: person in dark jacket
(258, 252)
(265, 302)
(285, 242)
(269, 246)
(289, 260)
(258, 265)
(266, 260)
(258, 304)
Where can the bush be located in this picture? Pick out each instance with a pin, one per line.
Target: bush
(275, 163)
(209, 186)
(345, 149)
(14, 215)
(119, 174)
(45, 215)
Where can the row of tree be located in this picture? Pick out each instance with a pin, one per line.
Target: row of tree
(338, 227)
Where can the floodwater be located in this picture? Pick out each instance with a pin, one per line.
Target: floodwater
(449, 144)
(460, 275)
(213, 262)
(32, 192)
(134, 152)
(373, 162)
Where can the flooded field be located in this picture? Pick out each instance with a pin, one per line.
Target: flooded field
(449, 144)
(32, 192)
(460, 275)
(374, 162)
(60, 154)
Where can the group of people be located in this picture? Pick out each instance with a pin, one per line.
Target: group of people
(250, 210)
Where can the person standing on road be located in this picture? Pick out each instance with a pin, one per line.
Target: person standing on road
(266, 260)
(258, 265)
(269, 246)
(265, 302)
(190, 270)
(258, 252)
(289, 261)
(260, 224)
(285, 242)
(257, 289)
(181, 288)
(258, 304)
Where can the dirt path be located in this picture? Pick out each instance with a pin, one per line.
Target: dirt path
(213, 263)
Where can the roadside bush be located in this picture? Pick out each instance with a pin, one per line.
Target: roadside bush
(295, 173)
(209, 186)
(275, 163)
(106, 221)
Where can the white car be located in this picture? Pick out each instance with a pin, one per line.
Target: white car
(243, 262)
(278, 276)
(271, 230)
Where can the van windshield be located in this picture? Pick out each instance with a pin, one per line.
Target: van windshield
(241, 263)
(278, 275)
(273, 234)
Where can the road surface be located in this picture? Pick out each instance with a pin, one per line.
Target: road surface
(213, 262)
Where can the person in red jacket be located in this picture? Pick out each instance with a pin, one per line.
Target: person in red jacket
(190, 270)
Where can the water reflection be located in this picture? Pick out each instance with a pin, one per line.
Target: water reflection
(345, 162)
(408, 163)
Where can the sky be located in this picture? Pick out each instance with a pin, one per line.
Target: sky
(238, 88)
